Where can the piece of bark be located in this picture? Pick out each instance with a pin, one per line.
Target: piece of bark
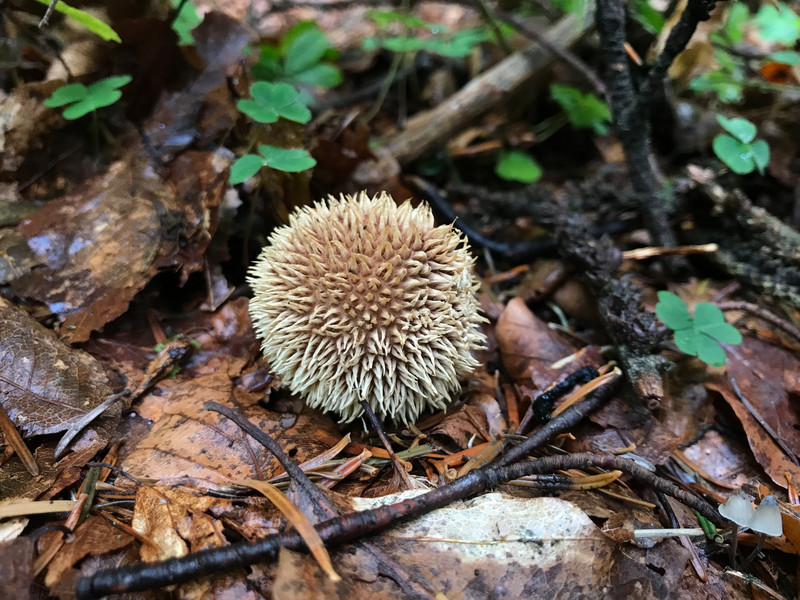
(487, 91)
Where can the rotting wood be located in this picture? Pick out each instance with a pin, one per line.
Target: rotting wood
(487, 91)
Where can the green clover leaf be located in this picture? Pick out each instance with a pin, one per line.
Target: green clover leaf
(778, 24)
(187, 19)
(272, 101)
(740, 157)
(514, 165)
(672, 311)
(700, 335)
(291, 160)
(302, 58)
(583, 110)
(85, 99)
(742, 129)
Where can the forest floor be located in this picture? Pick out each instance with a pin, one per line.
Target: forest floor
(629, 184)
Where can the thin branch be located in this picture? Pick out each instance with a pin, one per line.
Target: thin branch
(564, 54)
(695, 12)
(563, 422)
(354, 526)
(631, 120)
(313, 495)
(763, 314)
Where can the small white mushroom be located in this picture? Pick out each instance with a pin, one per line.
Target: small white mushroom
(767, 518)
(739, 511)
(766, 521)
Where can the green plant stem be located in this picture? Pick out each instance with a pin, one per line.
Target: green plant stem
(549, 126)
(95, 134)
(387, 85)
(494, 22)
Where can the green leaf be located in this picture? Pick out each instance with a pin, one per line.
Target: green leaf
(402, 44)
(460, 44)
(742, 129)
(649, 17)
(187, 19)
(727, 88)
(257, 112)
(269, 66)
(272, 101)
(734, 153)
(384, 18)
(673, 311)
(299, 59)
(85, 99)
(737, 17)
(785, 57)
(686, 340)
(109, 84)
(321, 75)
(709, 351)
(91, 103)
(67, 94)
(778, 24)
(583, 110)
(305, 51)
(244, 168)
(291, 160)
(708, 319)
(699, 335)
(91, 23)
(760, 152)
(514, 165)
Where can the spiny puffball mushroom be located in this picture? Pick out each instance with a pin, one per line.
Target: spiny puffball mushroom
(358, 298)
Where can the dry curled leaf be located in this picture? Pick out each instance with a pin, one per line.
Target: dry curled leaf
(45, 386)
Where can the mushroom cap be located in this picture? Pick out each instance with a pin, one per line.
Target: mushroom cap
(738, 509)
(767, 517)
(358, 298)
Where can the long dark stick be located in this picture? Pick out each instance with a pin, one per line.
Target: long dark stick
(357, 525)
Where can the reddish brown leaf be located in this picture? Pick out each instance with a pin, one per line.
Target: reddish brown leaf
(45, 386)
(767, 376)
(102, 244)
(94, 536)
(528, 346)
(191, 441)
(25, 122)
(16, 560)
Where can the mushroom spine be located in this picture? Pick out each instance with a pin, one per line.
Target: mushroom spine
(358, 298)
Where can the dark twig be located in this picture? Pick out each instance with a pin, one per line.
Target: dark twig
(763, 314)
(631, 120)
(115, 469)
(305, 486)
(563, 422)
(695, 12)
(636, 333)
(46, 18)
(564, 54)
(542, 405)
(517, 251)
(357, 525)
(378, 427)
